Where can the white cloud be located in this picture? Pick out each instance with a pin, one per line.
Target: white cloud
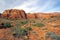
(48, 4)
(28, 6)
(33, 6)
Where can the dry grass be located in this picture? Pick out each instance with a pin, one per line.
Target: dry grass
(37, 33)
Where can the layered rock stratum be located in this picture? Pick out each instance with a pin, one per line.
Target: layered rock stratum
(14, 14)
(21, 14)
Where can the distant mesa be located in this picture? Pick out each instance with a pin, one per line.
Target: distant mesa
(21, 14)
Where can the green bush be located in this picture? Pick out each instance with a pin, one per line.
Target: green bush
(56, 17)
(20, 32)
(58, 37)
(38, 24)
(23, 22)
(7, 25)
(28, 28)
(52, 35)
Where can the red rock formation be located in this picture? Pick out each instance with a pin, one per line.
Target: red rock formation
(45, 15)
(14, 14)
(20, 14)
(30, 16)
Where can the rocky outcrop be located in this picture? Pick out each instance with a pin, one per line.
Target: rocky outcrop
(20, 14)
(14, 14)
(30, 16)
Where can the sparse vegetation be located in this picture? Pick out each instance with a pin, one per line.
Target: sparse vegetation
(53, 36)
(56, 17)
(23, 22)
(38, 24)
(30, 29)
(20, 32)
(7, 25)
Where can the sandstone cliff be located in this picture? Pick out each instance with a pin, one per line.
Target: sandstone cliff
(21, 14)
(14, 14)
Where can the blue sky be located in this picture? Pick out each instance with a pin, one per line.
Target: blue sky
(31, 5)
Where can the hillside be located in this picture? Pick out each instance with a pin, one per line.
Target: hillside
(21, 14)
(19, 25)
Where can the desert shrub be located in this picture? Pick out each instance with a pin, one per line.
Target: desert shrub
(56, 17)
(52, 35)
(58, 37)
(28, 28)
(38, 24)
(17, 32)
(23, 22)
(20, 32)
(7, 25)
(48, 34)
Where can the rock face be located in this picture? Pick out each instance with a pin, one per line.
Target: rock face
(14, 14)
(42, 15)
(20, 14)
(30, 16)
